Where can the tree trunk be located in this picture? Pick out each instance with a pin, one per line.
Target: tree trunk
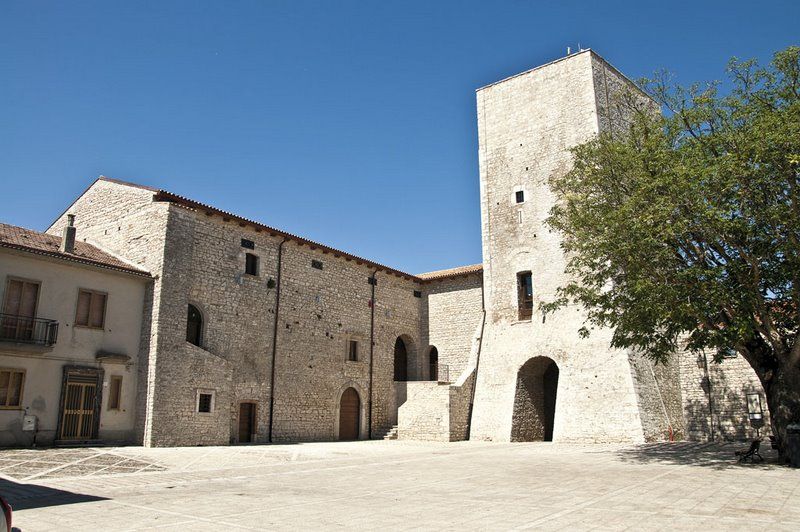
(782, 387)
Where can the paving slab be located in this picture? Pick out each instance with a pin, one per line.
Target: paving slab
(400, 485)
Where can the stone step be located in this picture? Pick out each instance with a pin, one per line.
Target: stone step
(389, 434)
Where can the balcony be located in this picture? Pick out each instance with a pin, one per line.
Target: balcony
(33, 332)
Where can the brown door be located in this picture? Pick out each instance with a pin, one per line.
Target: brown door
(247, 422)
(79, 406)
(19, 309)
(349, 410)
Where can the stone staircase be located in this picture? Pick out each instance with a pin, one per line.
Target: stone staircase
(386, 434)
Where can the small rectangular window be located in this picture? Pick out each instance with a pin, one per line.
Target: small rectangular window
(352, 351)
(417, 293)
(205, 402)
(91, 309)
(525, 295)
(114, 392)
(316, 264)
(520, 195)
(11, 384)
(249, 244)
(251, 264)
(373, 281)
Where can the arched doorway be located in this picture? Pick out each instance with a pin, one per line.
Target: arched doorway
(433, 363)
(349, 415)
(400, 360)
(535, 401)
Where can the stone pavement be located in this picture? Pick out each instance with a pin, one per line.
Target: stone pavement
(399, 485)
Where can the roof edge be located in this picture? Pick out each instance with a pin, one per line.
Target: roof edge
(81, 260)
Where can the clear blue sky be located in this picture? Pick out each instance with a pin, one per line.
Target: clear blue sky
(351, 123)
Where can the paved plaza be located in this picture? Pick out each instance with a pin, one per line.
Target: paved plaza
(399, 485)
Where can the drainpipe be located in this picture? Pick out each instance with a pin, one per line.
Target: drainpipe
(373, 282)
(477, 361)
(275, 338)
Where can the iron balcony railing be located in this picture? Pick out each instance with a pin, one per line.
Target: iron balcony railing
(28, 330)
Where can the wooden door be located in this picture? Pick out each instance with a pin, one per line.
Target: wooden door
(349, 414)
(80, 406)
(247, 422)
(19, 309)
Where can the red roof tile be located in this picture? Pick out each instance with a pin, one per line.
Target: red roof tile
(452, 272)
(14, 237)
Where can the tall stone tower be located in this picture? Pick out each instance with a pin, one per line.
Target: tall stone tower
(537, 379)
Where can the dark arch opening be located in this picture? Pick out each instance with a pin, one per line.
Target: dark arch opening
(349, 415)
(535, 401)
(400, 360)
(433, 363)
(194, 326)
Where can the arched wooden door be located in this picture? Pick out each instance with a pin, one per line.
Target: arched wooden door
(349, 413)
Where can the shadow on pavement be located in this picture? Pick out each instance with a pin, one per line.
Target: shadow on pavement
(27, 496)
(713, 455)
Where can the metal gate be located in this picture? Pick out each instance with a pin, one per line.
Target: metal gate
(80, 404)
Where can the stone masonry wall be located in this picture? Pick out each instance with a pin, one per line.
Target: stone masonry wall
(527, 124)
(198, 258)
(454, 310)
(727, 383)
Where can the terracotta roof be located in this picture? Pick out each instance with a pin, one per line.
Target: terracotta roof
(452, 272)
(14, 237)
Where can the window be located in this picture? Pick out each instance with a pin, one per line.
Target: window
(205, 402)
(194, 326)
(417, 293)
(352, 350)
(525, 295)
(249, 244)
(251, 264)
(520, 196)
(11, 381)
(114, 392)
(316, 264)
(91, 311)
(19, 309)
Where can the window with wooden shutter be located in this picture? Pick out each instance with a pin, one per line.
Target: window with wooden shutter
(114, 392)
(11, 382)
(19, 309)
(91, 309)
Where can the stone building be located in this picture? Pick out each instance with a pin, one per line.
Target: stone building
(69, 340)
(252, 334)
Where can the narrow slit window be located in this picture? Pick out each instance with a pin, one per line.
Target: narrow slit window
(251, 264)
(114, 392)
(352, 351)
(525, 295)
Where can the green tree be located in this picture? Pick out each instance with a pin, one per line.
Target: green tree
(684, 230)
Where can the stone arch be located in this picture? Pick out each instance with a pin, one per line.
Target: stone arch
(195, 324)
(404, 358)
(362, 417)
(433, 363)
(535, 400)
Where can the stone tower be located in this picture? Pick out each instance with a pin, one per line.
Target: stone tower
(537, 378)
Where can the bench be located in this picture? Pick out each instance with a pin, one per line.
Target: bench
(751, 453)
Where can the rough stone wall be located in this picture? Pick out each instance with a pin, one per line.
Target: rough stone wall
(526, 125)
(426, 413)
(727, 383)
(659, 396)
(124, 221)
(198, 258)
(454, 310)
